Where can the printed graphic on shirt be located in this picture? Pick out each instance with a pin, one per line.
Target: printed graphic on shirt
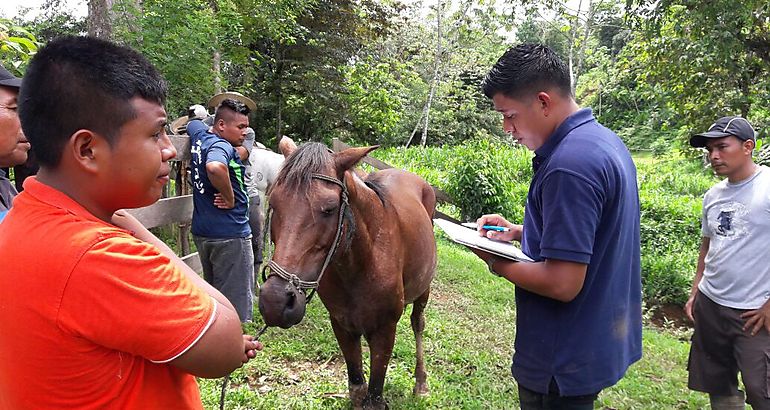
(195, 153)
(728, 221)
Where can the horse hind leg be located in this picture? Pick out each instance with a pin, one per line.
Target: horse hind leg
(350, 344)
(418, 325)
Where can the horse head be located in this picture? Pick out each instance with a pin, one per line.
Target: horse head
(310, 221)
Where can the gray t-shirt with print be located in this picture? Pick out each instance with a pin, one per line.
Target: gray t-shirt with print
(736, 219)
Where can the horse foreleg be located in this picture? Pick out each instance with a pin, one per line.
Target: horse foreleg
(381, 348)
(418, 325)
(351, 349)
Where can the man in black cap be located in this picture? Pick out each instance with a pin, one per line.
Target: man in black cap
(13, 144)
(730, 298)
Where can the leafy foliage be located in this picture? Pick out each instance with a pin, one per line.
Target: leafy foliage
(686, 64)
(17, 46)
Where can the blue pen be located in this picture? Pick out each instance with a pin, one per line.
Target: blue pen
(473, 225)
(496, 228)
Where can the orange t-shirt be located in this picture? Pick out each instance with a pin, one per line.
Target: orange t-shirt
(89, 315)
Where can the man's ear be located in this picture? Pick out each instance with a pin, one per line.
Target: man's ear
(749, 145)
(219, 124)
(86, 149)
(545, 102)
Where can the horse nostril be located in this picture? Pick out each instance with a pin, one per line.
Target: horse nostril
(291, 299)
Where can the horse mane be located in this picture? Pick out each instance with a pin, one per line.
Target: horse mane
(299, 167)
(377, 187)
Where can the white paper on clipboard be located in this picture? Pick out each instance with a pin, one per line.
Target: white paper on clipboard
(470, 237)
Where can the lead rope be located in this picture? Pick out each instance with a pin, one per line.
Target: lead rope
(226, 379)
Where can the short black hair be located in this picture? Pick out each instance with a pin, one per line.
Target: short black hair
(527, 69)
(82, 83)
(229, 106)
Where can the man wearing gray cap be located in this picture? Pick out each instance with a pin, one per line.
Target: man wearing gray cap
(13, 144)
(730, 298)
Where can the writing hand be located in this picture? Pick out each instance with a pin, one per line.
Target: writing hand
(513, 234)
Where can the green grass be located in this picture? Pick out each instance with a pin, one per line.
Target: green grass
(468, 343)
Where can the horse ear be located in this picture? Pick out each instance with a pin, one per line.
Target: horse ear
(346, 159)
(287, 146)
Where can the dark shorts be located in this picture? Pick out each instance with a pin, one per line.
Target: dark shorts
(228, 265)
(532, 400)
(720, 349)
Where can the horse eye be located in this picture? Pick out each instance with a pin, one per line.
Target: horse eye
(328, 211)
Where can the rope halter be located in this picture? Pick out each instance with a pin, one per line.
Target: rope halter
(300, 284)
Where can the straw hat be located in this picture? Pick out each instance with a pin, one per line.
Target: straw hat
(179, 125)
(217, 99)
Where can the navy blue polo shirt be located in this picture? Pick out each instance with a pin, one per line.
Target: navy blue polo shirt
(582, 206)
(208, 220)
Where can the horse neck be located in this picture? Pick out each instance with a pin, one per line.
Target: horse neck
(368, 214)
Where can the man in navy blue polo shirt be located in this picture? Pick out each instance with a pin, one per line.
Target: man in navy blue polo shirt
(578, 322)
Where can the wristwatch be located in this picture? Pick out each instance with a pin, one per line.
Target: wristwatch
(490, 262)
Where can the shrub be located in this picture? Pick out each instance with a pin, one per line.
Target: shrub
(487, 176)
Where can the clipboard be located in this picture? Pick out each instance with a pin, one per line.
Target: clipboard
(470, 237)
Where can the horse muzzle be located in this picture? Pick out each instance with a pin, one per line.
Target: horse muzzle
(281, 303)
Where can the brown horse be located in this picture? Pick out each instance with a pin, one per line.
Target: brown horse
(365, 242)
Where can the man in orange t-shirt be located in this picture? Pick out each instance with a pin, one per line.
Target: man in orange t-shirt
(96, 312)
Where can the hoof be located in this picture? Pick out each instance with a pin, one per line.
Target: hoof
(376, 403)
(421, 389)
(357, 394)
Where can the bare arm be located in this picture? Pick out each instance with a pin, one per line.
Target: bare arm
(219, 175)
(222, 347)
(704, 249)
(556, 279)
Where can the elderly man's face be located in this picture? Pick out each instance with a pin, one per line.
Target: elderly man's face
(13, 144)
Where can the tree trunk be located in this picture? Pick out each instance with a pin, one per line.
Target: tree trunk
(217, 55)
(433, 84)
(416, 127)
(99, 20)
(279, 94)
(583, 43)
(573, 28)
(217, 66)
